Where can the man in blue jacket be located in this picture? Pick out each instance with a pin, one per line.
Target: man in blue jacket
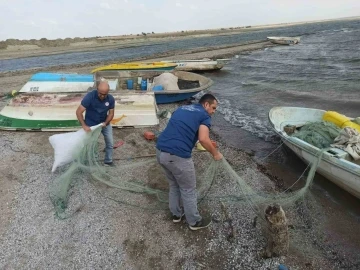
(187, 125)
(99, 107)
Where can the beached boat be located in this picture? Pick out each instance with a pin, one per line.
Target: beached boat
(58, 82)
(61, 77)
(56, 112)
(336, 164)
(137, 66)
(189, 84)
(284, 40)
(198, 65)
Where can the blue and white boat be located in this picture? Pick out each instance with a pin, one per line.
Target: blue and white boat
(61, 77)
(58, 82)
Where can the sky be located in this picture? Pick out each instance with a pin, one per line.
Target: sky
(27, 19)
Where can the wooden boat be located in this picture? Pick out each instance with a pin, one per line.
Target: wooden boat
(199, 65)
(137, 66)
(284, 40)
(189, 83)
(56, 112)
(336, 164)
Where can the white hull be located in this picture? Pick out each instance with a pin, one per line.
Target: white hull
(131, 110)
(199, 65)
(51, 86)
(335, 165)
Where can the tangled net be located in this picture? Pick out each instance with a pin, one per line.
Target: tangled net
(131, 179)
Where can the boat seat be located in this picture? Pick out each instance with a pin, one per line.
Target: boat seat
(338, 153)
(342, 154)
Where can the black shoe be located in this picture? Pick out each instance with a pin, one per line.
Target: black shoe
(203, 223)
(109, 164)
(177, 219)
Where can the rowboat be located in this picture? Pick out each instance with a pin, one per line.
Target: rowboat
(58, 82)
(188, 85)
(137, 66)
(336, 164)
(56, 112)
(61, 77)
(198, 65)
(284, 40)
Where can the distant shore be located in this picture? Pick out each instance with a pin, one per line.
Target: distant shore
(14, 48)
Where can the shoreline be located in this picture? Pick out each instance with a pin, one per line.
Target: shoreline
(214, 51)
(14, 80)
(91, 44)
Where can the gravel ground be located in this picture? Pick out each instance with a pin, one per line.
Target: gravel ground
(101, 233)
(105, 234)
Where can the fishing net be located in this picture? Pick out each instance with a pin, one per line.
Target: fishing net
(320, 134)
(137, 180)
(139, 175)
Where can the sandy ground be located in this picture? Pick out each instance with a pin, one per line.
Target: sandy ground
(104, 234)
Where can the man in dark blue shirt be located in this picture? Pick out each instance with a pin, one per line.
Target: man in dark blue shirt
(99, 107)
(187, 125)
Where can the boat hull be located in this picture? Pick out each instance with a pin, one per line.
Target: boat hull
(198, 65)
(329, 169)
(284, 40)
(46, 112)
(61, 77)
(170, 98)
(335, 164)
(56, 87)
(158, 66)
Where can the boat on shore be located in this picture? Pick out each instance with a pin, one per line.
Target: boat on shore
(284, 40)
(336, 165)
(58, 82)
(198, 65)
(189, 84)
(139, 66)
(56, 111)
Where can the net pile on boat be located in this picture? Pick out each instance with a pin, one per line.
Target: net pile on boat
(320, 134)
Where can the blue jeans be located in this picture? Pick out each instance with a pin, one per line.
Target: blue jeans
(109, 142)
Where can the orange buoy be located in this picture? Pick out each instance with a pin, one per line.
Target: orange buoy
(149, 135)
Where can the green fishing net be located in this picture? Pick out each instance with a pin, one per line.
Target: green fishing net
(141, 182)
(138, 181)
(320, 134)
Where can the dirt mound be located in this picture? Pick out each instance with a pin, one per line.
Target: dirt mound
(44, 42)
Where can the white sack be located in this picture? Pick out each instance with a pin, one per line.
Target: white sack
(66, 145)
(168, 80)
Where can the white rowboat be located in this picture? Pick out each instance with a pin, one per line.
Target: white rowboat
(336, 164)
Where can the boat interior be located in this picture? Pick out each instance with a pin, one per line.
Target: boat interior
(282, 117)
(118, 80)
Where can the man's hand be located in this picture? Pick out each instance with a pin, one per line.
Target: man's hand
(86, 128)
(218, 156)
(103, 125)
